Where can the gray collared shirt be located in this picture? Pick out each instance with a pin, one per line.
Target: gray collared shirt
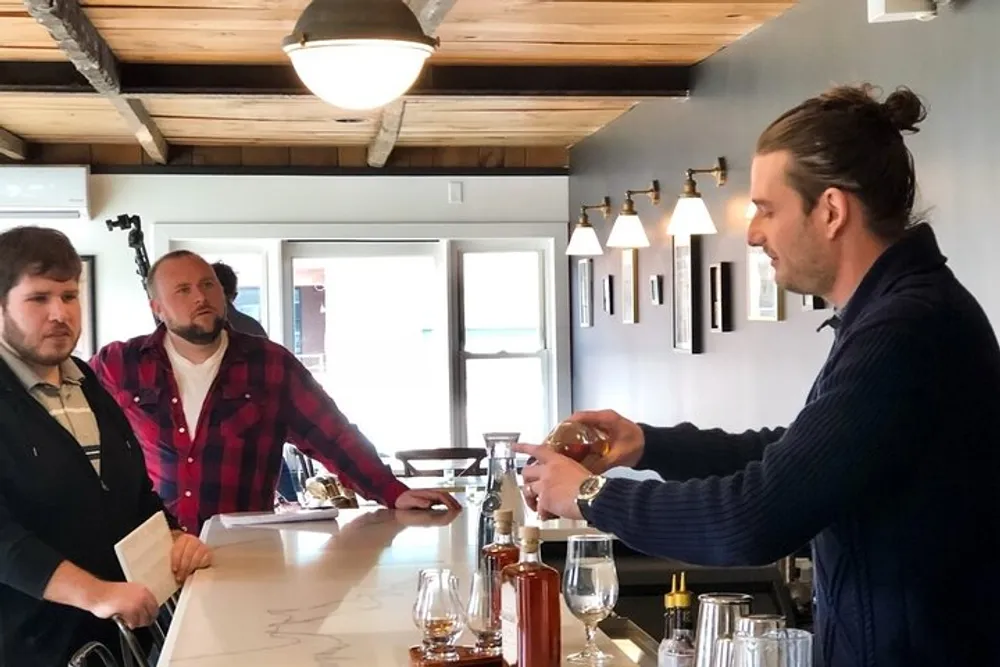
(66, 403)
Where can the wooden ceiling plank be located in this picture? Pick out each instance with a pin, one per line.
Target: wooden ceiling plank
(12, 145)
(89, 53)
(430, 13)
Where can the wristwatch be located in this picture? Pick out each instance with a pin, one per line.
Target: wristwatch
(589, 488)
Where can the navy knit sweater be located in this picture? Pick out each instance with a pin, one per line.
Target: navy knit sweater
(891, 470)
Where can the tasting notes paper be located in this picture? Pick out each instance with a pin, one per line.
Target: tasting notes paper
(293, 514)
(144, 555)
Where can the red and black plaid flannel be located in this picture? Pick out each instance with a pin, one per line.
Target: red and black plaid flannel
(262, 398)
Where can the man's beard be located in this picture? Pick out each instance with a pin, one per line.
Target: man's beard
(16, 339)
(197, 335)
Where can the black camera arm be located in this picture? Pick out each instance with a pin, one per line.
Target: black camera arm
(137, 242)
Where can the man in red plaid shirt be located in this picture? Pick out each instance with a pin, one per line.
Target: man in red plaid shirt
(213, 407)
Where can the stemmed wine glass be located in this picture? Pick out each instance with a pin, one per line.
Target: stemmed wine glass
(439, 613)
(590, 587)
(484, 611)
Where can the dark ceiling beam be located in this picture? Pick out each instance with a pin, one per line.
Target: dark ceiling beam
(91, 56)
(12, 145)
(628, 81)
(390, 122)
(430, 13)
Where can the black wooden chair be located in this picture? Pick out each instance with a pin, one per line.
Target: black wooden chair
(474, 454)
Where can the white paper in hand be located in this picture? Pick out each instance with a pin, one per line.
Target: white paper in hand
(144, 555)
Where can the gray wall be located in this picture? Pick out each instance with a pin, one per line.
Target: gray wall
(759, 373)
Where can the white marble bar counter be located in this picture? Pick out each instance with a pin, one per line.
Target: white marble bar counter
(332, 593)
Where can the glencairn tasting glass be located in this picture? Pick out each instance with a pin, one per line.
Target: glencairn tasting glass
(439, 613)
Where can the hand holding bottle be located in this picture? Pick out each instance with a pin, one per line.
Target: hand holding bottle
(627, 441)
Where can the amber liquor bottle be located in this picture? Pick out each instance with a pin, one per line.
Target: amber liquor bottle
(500, 553)
(530, 622)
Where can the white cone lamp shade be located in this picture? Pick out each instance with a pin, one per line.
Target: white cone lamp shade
(690, 216)
(627, 231)
(358, 54)
(584, 241)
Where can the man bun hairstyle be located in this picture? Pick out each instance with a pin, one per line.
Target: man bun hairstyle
(904, 110)
(845, 138)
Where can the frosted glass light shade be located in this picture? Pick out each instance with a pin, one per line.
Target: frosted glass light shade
(627, 232)
(358, 74)
(690, 216)
(584, 242)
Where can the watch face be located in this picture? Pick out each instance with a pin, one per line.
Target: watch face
(590, 486)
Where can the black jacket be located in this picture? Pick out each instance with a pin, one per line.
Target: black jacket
(54, 507)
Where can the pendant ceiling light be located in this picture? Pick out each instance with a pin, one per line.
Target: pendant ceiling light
(358, 54)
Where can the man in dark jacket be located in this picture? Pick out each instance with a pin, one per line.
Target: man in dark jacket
(72, 476)
(891, 467)
(238, 320)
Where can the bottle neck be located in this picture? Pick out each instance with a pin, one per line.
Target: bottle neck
(682, 634)
(503, 538)
(530, 555)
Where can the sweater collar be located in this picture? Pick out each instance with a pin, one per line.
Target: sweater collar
(916, 252)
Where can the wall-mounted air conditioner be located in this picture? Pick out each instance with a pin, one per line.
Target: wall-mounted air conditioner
(886, 11)
(29, 192)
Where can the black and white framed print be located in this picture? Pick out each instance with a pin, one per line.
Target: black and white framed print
(584, 274)
(687, 293)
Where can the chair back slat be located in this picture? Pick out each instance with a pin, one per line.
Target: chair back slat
(474, 454)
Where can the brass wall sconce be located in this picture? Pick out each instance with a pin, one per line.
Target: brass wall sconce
(690, 215)
(627, 231)
(584, 241)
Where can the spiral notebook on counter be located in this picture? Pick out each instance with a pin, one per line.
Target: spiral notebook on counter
(292, 515)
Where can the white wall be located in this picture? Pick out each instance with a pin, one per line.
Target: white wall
(227, 202)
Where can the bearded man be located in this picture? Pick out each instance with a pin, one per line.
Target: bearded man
(213, 407)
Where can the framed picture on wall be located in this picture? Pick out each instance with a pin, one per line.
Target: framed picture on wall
(810, 302)
(656, 289)
(609, 295)
(720, 309)
(766, 299)
(86, 347)
(584, 274)
(687, 293)
(630, 287)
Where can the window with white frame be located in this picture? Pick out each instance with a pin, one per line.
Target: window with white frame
(503, 343)
(422, 343)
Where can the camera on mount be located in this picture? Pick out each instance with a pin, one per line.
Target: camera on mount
(123, 221)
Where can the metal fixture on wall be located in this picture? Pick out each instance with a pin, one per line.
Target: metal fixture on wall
(690, 215)
(627, 231)
(358, 54)
(584, 241)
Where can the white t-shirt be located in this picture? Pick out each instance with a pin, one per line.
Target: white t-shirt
(194, 380)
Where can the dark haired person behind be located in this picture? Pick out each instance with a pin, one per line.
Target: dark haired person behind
(891, 467)
(72, 476)
(238, 320)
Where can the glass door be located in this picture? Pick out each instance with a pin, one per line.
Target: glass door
(369, 322)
